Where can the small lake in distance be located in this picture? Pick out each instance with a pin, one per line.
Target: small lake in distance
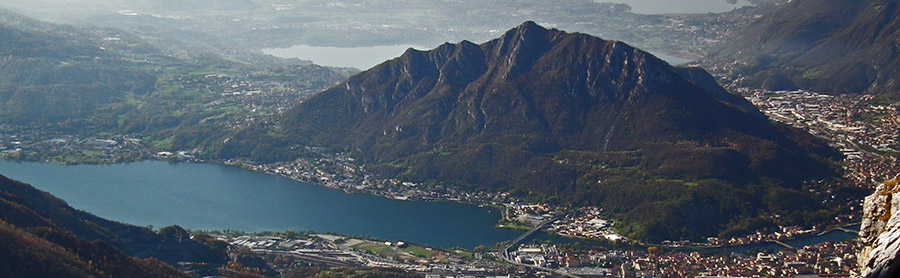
(217, 197)
(361, 58)
(366, 57)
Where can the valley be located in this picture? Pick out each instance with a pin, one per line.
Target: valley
(236, 24)
(427, 164)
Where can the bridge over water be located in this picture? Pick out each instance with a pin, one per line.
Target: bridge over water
(504, 252)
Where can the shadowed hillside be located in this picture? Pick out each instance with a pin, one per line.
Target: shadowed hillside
(563, 117)
(829, 46)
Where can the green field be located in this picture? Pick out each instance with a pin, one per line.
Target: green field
(420, 252)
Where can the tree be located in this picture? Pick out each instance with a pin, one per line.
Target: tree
(479, 248)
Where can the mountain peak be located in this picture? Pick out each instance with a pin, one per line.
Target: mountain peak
(501, 115)
(521, 46)
(529, 25)
(526, 30)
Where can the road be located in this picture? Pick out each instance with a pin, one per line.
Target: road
(504, 253)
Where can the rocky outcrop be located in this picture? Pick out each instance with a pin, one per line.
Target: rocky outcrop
(880, 232)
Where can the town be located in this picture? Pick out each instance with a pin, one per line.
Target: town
(285, 251)
(865, 131)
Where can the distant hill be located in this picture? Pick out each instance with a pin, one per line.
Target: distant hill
(828, 46)
(566, 118)
(51, 73)
(105, 80)
(44, 237)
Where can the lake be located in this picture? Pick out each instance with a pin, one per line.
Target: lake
(354, 57)
(679, 6)
(217, 197)
(672, 60)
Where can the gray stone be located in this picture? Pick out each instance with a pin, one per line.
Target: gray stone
(880, 232)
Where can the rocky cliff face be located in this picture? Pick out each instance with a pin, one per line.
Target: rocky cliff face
(565, 117)
(880, 232)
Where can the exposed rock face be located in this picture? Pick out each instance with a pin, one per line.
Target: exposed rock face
(880, 232)
(568, 117)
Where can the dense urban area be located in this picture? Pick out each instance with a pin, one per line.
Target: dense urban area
(286, 251)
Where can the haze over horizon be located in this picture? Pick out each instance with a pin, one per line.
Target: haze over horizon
(260, 24)
(527, 138)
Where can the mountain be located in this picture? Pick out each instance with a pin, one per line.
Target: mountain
(828, 46)
(51, 73)
(567, 118)
(81, 244)
(47, 253)
(880, 232)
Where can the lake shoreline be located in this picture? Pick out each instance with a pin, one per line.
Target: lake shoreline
(209, 196)
(270, 171)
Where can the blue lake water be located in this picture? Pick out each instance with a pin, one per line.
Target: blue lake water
(208, 196)
(217, 197)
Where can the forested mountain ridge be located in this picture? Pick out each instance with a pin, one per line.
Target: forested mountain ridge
(48, 253)
(51, 73)
(546, 113)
